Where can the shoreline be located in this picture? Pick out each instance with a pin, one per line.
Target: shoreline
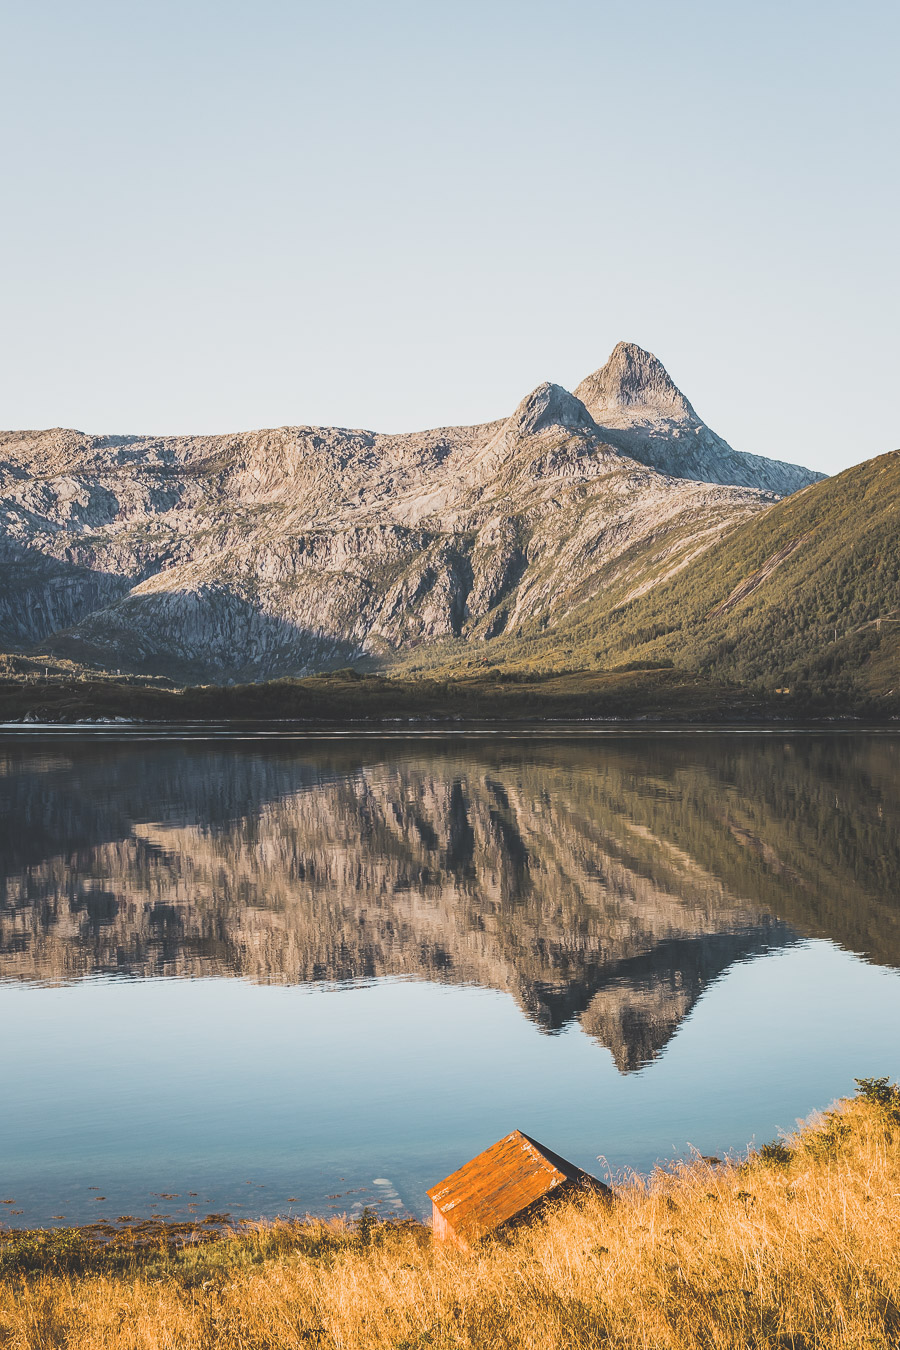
(275, 732)
(872, 1094)
(353, 700)
(795, 1245)
(436, 727)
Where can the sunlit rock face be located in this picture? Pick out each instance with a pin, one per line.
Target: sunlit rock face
(289, 550)
(603, 885)
(643, 414)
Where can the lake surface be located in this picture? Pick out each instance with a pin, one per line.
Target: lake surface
(278, 973)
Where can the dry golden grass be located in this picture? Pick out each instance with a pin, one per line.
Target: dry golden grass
(797, 1249)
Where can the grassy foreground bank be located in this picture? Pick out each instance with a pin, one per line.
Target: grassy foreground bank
(798, 1247)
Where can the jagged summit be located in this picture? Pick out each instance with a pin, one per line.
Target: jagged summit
(549, 406)
(642, 413)
(632, 378)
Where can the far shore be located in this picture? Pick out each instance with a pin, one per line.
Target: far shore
(351, 699)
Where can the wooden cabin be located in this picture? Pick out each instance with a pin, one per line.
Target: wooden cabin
(507, 1183)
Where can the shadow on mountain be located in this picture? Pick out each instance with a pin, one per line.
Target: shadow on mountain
(607, 883)
(159, 632)
(40, 594)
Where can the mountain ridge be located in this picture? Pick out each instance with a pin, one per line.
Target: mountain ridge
(290, 549)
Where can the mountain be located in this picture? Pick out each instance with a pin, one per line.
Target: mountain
(290, 550)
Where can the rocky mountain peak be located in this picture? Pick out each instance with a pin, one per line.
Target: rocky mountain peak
(643, 414)
(635, 379)
(549, 406)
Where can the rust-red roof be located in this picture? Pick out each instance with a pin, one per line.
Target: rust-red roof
(501, 1182)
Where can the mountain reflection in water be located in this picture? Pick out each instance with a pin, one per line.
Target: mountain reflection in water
(606, 880)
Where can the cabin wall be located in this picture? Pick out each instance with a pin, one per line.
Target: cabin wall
(441, 1230)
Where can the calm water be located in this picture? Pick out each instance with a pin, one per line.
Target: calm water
(270, 974)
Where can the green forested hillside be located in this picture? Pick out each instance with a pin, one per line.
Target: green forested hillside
(805, 596)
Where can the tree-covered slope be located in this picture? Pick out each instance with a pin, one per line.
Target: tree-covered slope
(804, 596)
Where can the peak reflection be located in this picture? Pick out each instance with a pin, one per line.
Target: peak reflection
(608, 881)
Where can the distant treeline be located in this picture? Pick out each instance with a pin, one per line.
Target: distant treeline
(347, 696)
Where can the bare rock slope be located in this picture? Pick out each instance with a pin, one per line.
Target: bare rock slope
(283, 551)
(644, 415)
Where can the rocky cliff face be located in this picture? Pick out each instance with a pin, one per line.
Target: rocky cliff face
(283, 551)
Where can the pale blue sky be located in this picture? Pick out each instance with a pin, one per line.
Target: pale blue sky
(221, 215)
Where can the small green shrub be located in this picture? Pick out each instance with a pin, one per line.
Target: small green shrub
(775, 1154)
(827, 1140)
(60, 1251)
(881, 1093)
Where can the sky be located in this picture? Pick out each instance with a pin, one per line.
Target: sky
(225, 214)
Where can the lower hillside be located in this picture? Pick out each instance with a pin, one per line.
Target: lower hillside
(797, 1247)
(803, 597)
